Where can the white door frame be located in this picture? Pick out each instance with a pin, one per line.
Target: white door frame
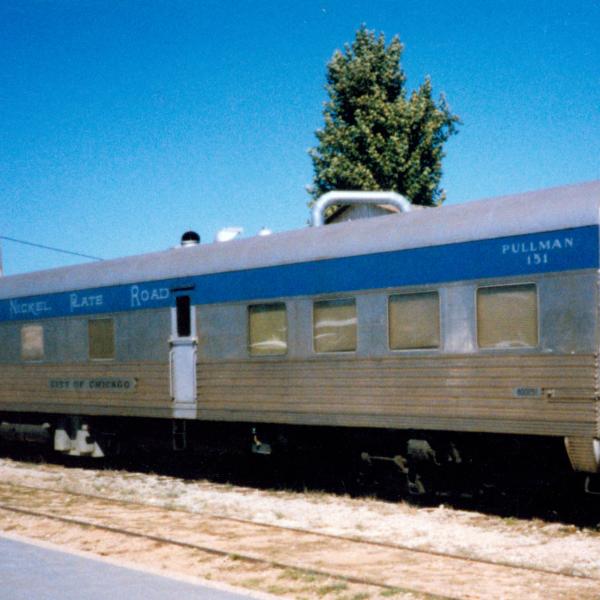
(183, 352)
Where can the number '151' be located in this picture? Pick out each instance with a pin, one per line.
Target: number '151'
(537, 259)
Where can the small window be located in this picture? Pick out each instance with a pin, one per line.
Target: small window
(334, 325)
(101, 336)
(507, 316)
(267, 329)
(184, 316)
(32, 342)
(414, 321)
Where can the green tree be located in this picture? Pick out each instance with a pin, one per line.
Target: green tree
(376, 137)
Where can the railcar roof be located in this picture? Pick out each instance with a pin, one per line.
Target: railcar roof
(532, 212)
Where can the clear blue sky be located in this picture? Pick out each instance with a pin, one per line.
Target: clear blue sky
(125, 123)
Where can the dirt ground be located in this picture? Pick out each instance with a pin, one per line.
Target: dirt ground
(558, 548)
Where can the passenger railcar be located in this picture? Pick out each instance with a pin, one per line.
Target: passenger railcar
(480, 318)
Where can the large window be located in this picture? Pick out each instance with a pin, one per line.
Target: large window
(32, 342)
(507, 316)
(101, 337)
(267, 329)
(414, 321)
(334, 325)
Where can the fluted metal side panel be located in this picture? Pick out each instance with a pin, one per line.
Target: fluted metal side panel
(468, 393)
(27, 388)
(461, 393)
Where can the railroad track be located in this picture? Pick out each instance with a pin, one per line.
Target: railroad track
(341, 538)
(217, 552)
(382, 568)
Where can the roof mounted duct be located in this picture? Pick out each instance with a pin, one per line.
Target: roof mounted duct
(356, 197)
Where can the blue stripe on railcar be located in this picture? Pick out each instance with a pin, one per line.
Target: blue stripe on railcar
(555, 251)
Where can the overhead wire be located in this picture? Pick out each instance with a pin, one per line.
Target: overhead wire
(35, 245)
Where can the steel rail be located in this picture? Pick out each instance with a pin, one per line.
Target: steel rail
(332, 536)
(224, 553)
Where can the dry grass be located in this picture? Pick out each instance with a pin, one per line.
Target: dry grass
(557, 547)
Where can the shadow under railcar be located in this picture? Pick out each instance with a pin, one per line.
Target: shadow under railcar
(335, 461)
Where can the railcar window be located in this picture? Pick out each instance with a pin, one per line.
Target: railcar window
(101, 337)
(507, 316)
(334, 325)
(267, 329)
(414, 321)
(184, 316)
(32, 342)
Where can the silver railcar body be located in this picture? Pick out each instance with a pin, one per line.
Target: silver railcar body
(546, 239)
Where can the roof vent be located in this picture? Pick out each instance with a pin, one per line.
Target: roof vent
(228, 233)
(190, 238)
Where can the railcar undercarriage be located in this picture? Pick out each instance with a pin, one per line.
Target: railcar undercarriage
(419, 463)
